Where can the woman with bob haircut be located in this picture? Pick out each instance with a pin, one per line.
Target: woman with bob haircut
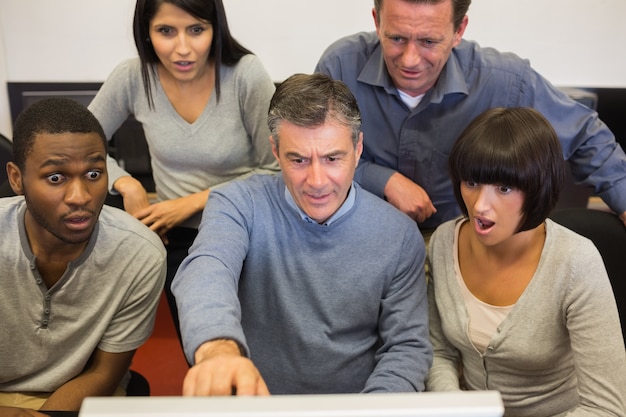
(518, 303)
(202, 99)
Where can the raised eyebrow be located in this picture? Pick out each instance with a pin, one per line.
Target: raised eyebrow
(292, 155)
(54, 162)
(60, 161)
(96, 158)
(335, 154)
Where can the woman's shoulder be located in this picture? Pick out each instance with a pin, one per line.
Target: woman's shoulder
(247, 78)
(445, 232)
(567, 249)
(566, 240)
(118, 93)
(130, 66)
(126, 76)
(249, 67)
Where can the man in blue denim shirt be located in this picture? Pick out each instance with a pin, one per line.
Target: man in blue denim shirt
(418, 84)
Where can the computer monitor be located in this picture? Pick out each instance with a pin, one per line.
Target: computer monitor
(426, 404)
(128, 144)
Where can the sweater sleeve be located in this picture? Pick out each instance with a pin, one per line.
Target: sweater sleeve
(403, 360)
(206, 283)
(596, 340)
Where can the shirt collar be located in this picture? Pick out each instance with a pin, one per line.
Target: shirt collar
(375, 73)
(343, 209)
(451, 80)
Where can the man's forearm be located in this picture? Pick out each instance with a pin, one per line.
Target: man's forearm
(100, 378)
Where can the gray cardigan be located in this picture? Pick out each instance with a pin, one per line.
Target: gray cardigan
(559, 352)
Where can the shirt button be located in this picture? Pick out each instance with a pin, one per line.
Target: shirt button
(46, 311)
(48, 297)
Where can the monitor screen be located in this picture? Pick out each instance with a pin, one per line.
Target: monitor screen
(431, 404)
(21, 95)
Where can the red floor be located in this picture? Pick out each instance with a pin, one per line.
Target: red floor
(160, 360)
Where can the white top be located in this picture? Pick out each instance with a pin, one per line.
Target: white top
(484, 318)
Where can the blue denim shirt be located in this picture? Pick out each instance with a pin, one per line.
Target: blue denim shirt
(417, 142)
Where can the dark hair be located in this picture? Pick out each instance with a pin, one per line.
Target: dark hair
(224, 48)
(516, 147)
(310, 100)
(51, 115)
(459, 8)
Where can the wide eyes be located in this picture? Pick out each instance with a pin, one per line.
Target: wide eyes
(58, 178)
(94, 175)
(503, 189)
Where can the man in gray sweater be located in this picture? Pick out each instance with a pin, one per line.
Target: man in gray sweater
(304, 282)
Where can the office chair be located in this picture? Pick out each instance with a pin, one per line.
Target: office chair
(138, 385)
(608, 233)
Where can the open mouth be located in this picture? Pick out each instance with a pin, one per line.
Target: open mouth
(484, 224)
(78, 221)
(183, 65)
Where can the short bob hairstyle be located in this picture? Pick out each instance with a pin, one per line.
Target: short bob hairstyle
(516, 147)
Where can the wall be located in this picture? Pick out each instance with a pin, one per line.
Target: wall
(5, 118)
(571, 42)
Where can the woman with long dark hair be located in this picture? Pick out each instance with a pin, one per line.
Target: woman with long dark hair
(202, 99)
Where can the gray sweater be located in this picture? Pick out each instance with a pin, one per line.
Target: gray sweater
(559, 352)
(229, 140)
(320, 309)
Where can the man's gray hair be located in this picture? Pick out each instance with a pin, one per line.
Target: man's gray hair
(311, 100)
